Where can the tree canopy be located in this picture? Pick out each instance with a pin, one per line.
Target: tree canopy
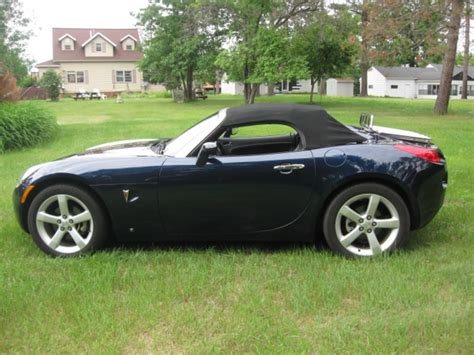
(13, 35)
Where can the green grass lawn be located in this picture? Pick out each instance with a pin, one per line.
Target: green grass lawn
(241, 298)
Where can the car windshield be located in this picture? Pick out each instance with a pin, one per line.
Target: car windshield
(182, 145)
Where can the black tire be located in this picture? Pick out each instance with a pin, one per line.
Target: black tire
(330, 216)
(99, 218)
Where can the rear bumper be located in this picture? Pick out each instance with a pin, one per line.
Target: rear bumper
(430, 190)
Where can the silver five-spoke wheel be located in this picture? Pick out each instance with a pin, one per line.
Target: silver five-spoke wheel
(368, 219)
(367, 224)
(64, 223)
(66, 220)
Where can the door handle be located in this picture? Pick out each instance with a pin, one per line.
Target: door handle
(288, 168)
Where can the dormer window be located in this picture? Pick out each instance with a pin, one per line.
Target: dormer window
(128, 43)
(98, 47)
(67, 42)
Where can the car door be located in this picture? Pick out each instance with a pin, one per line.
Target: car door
(233, 195)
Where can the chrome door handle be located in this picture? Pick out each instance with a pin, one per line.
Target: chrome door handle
(288, 168)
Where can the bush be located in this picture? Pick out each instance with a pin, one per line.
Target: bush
(51, 81)
(27, 82)
(23, 125)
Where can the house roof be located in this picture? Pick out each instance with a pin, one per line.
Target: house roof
(84, 35)
(432, 72)
(47, 64)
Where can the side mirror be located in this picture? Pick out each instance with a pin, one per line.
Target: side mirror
(207, 149)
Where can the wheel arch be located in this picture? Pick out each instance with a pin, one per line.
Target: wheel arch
(381, 179)
(67, 179)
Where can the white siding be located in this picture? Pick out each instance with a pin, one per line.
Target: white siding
(337, 87)
(400, 88)
(100, 75)
(232, 88)
(376, 83)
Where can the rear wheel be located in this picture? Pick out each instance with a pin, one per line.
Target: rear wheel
(65, 220)
(366, 220)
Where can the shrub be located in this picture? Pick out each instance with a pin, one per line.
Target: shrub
(52, 82)
(23, 125)
(27, 82)
(8, 90)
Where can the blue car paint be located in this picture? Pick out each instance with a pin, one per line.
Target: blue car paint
(236, 197)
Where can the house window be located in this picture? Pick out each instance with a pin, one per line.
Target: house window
(129, 47)
(470, 90)
(80, 77)
(71, 77)
(428, 89)
(123, 76)
(67, 47)
(454, 90)
(393, 86)
(75, 77)
(371, 86)
(98, 47)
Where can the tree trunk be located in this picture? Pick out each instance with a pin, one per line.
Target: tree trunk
(364, 53)
(322, 87)
(271, 89)
(188, 91)
(465, 69)
(247, 93)
(253, 93)
(313, 81)
(442, 100)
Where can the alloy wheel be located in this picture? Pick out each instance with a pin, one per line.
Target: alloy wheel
(367, 224)
(64, 223)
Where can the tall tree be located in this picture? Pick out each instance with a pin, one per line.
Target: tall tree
(13, 35)
(177, 40)
(442, 100)
(396, 32)
(326, 45)
(467, 43)
(250, 25)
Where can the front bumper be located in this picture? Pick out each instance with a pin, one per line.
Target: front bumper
(19, 208)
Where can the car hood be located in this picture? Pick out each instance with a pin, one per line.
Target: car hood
(127, 148)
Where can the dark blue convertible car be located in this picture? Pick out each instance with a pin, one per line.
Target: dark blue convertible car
(363, 188)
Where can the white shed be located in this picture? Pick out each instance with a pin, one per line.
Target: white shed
(340, 87)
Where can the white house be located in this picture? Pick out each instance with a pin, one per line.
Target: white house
(90, 58)
(335, 87)
(412, 83)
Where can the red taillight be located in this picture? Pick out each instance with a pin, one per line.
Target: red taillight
(423, 153)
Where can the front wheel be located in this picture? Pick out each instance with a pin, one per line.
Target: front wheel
(65, 220)
(366, 220)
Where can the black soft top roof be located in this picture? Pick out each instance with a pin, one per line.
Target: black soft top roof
(316, 127)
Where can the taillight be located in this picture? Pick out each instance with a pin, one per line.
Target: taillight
(423, 153)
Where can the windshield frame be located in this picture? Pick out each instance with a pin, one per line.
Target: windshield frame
(186, 142)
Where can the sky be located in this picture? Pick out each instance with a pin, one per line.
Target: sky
(46, 14)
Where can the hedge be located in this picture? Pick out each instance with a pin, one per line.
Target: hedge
(24, 125)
